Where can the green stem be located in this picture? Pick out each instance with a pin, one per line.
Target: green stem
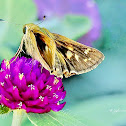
(17, 117)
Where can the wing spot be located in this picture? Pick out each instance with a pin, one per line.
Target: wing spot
(87, 50)
(69, 54)
(70, 48)
(89, 58)
(77, 57)
(46, 48)
(85, 60)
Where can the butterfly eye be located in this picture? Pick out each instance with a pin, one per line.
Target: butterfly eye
(24, 30)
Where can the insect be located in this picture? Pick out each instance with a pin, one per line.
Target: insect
(58, 54)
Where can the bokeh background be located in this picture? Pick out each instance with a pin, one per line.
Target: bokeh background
(97, 98)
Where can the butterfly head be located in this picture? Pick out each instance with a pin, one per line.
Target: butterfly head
(30, 27)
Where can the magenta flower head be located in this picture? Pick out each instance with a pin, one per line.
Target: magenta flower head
(24, 84)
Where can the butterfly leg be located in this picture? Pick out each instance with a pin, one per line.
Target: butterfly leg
(18, 51)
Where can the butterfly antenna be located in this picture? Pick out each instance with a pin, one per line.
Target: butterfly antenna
(44, 17)
(2, 20)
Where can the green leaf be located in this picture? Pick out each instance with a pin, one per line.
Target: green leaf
(4, 109)
(6, 119)
(16, 14)
(71, 26)
(26, 121)
(54, 119)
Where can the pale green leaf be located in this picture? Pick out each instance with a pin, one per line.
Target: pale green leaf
(54, 119)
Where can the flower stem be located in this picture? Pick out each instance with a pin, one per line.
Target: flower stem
(17, 117)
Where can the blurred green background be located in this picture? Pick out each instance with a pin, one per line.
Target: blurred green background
(97, 98)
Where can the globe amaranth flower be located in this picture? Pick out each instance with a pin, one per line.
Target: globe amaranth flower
(88, 8)
(24, 84)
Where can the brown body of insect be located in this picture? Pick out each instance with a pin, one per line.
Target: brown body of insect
(58, 54)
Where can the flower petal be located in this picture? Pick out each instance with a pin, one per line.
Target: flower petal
(15, 93)
(37, 110)
(56, 107)
(31, 93)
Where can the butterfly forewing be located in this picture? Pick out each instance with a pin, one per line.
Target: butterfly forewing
(46, 47)
(79, 58)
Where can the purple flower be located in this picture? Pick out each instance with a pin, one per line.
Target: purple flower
(59, 8)
(24, 84)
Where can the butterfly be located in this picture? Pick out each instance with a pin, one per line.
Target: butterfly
(58, 54)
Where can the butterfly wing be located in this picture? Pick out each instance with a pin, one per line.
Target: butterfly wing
(76, 58)
(40, 47)
(58, 54)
